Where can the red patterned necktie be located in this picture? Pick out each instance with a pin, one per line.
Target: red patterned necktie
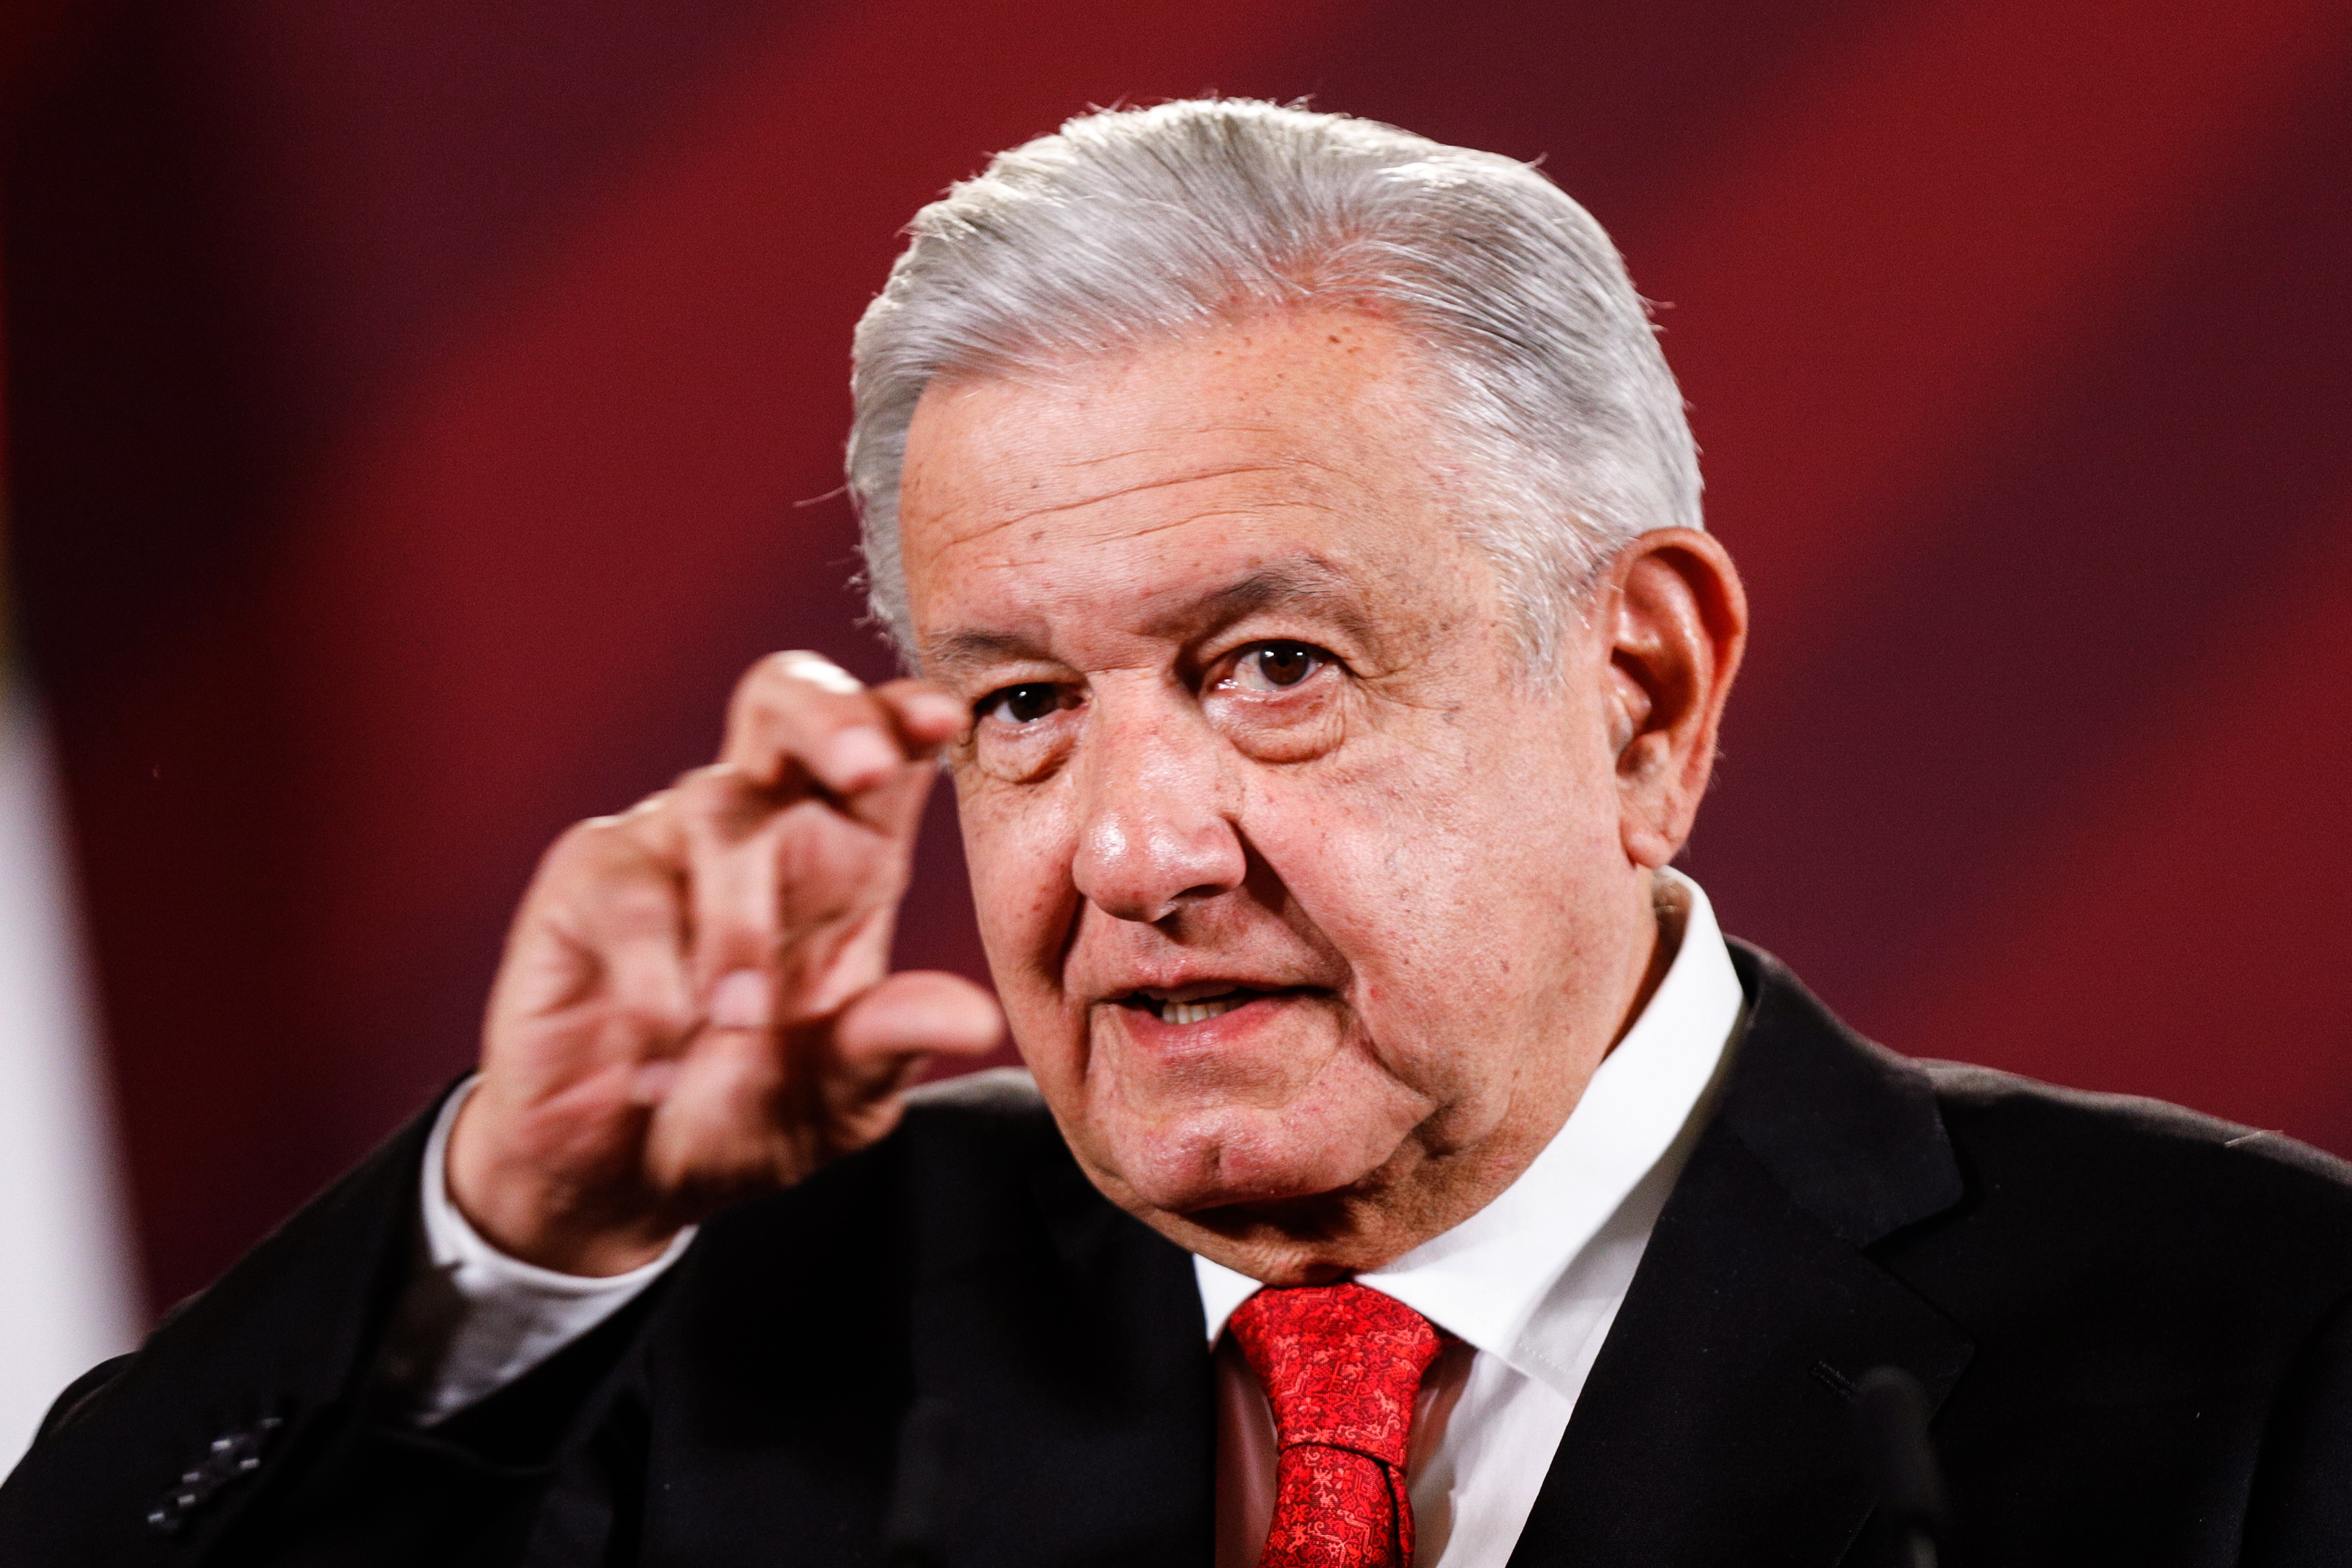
(1341, 1364)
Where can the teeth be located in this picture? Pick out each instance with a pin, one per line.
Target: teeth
(1197, 1012)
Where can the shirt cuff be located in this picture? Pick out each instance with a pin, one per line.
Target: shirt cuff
(502, 1316)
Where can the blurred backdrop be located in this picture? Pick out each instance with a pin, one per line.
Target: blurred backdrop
(418, 414)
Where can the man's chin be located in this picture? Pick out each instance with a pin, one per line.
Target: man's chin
(1237, 1164)
(1177, 1144)
(1308, 1239)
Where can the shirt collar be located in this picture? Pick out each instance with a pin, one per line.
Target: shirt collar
(1484, 1278)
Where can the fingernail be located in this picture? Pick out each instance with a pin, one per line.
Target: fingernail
(856, 758)
(739, 1000)
(933, 711)
(821, 672)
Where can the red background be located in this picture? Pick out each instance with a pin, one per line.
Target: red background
(420, 413)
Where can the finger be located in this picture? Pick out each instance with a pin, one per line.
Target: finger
(880, 1044)
(639, 935)
(605, 916)
(894, 807)
(801, 709)
(720, 827)
(929, 715)
(880, 1039)
(721, 1123)
(757, 874)
(805, 894)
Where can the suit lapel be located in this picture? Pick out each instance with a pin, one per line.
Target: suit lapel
(1716, 1425)
(950, 1342)
(1065, 1360)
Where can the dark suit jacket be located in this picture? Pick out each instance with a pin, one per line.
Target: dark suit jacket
(2135, 1324)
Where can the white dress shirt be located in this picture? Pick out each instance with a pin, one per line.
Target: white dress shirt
(1529, 1284)
(475, 1320)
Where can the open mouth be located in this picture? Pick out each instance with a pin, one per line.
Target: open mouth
(1194, 1004)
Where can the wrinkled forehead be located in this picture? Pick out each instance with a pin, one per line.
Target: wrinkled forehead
(1267, 461)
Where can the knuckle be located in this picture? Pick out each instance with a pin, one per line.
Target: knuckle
(580, 847)
(604, 834)
(701, 789)
(647, 1018)
(600, 870)
(590, 833)
(639, 906)
(717, 806)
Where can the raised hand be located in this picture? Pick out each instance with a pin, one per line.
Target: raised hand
(695, 1003)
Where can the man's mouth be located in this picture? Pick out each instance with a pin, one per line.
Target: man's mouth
(1194, 1004)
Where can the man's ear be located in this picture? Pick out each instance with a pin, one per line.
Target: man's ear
(1675, 616)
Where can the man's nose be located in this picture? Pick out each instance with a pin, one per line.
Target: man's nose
(1155, 832)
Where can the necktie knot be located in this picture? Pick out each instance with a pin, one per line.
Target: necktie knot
(1341, 1366)
(1340, 1363)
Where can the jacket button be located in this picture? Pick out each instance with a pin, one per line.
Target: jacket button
(227, 1459)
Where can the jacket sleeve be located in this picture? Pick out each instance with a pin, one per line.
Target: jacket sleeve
(252, 1426)
(2300, 1514)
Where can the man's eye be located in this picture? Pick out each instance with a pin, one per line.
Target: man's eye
(1277, 666)
(1023, 704)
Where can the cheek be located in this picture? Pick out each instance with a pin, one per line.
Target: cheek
(1447, 879)
(1017, 849)
(1374, 861)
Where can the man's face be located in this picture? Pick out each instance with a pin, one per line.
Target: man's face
(1308, 912)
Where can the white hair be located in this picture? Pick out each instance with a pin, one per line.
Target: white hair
(1131, 227)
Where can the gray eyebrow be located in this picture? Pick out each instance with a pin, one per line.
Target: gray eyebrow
(1301, 581)
(967, 649)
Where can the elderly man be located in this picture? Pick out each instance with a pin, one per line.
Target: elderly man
(1295, 530)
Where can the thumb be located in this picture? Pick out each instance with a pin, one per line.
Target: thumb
(879, 1040)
